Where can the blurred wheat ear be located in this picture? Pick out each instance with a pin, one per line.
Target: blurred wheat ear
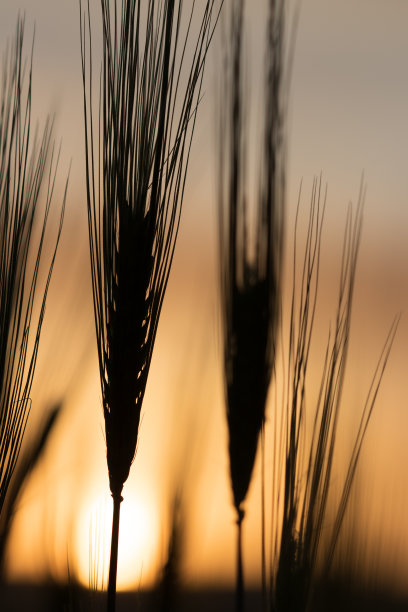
(136, 174)
(303, 487)
(28, 461)
(28, 167)
(170, 582)
(250, 264)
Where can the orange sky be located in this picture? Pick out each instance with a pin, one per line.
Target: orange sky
(348, 114)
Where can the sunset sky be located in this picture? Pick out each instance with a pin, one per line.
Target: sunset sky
(347, 118)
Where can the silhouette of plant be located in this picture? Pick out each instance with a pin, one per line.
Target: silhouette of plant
(303, 468)
(135, 184)
(28, 460)
(28, 167)
(250, 273)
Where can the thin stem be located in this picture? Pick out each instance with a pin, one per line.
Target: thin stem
(240, 570)
(263, 552)
(113, 566)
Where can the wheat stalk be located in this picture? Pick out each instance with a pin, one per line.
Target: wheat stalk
(135, 185)
(250, 282)
(23, 172)
(306, 468)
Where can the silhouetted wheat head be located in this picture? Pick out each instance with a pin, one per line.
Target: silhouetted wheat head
(250, 262)
(134, 195)
(307, 467)
(135, 182)
(26, 162)
(250, 279)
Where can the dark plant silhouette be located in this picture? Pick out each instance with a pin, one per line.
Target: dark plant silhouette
(29, 459)
(28, 168)
(135, 184)
(171, 579)
(250, 265)
(303, 468)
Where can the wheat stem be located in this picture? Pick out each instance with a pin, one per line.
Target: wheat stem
(113, 564)
(250, 253)
(263, 536)
(135, 179)
(239, 595)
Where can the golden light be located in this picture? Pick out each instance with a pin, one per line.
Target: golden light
(138, 542)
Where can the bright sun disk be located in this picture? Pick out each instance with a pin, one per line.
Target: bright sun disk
(137, 543)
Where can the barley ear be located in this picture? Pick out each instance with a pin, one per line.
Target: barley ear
(135, 179)
(250, 264)
(28, 167)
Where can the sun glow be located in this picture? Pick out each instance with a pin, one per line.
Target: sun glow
(138, 542)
